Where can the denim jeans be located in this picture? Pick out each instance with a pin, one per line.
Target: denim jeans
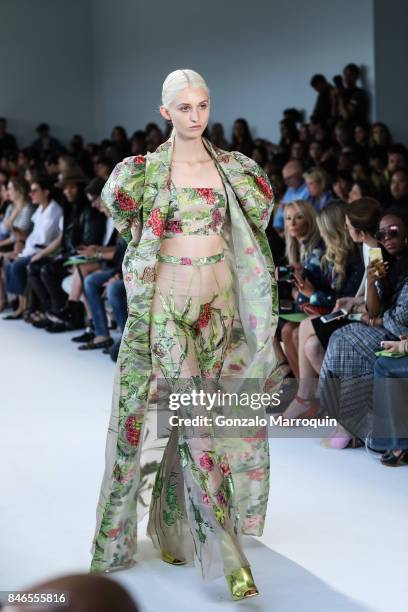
(16, 275)
(93, 285)
(390, 404)
(116, 295)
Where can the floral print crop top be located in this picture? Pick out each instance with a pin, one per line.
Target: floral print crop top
(195, 211)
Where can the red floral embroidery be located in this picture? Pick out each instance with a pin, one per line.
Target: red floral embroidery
(250, 250)
(264, 186)
(126, 203)
(208, 194)
(265, 214)
(205, 316)
(224, 159)
(173, 226)
(132, 430)
(216, 219)
(206, 499)
(139, 159)
(221, 499)
(156, 222)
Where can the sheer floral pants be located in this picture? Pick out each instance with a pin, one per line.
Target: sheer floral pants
(193, 513)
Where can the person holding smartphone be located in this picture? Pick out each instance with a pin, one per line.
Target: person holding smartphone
(346, 377)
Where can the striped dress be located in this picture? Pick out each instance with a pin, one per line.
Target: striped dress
(346, 378)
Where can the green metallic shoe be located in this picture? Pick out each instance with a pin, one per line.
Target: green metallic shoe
(169, 559)
(241, 584)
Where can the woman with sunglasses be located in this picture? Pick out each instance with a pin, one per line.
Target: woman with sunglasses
(346, 377)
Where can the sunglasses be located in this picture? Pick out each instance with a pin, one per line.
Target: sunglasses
(392, 231)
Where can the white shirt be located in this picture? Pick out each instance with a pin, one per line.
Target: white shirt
(366, 258)
(46, 228)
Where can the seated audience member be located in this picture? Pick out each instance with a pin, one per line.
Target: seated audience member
(390, 412)
(108, 277)
(217, 136)
(18, 214)
(296, 190)
(80, 225)
(15, 228)
(46, 228)
(362, 139)
(138, 143)
(346, 377)
(399, 191)
(360, 189)
(120, 142)
(342, 185)
(103, 167)
(84, 593)
(380, 135)
(318, 186)
(304, 250)
(45, 144)
(242, 140)
(298, 152)
(339, 275)
(397, 158)
(377, 159)
(72, 315)
(316, 152)
(361, 171)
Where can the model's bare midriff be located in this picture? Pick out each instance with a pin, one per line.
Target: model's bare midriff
(203, 175)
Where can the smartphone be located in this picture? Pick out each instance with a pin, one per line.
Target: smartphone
(375, 254)
(284, 273)
(333, 316)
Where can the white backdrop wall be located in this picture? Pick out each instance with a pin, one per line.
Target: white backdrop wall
(46, 68)
(257, 56)
(391, 54)
(86, 65)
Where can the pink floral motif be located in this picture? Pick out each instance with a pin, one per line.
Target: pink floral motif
(186, 261)
(265, 214)
(235, 367)
(139, 159)
(257, 270)
(126, 203)
(252, 522)
(257, 474)
(156, 222)
(207, 193)
(264, 187)
(129, 277)
(253, 322)
(250, 250)
(206, 499)
(224, 159)
(206, 462)
(216, 219)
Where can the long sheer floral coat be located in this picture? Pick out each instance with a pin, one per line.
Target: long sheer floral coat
(137, 194)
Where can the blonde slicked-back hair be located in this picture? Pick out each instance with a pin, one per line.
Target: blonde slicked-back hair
(297, 252)
(177, 81)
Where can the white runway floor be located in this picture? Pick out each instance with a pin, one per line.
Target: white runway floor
(336, 536)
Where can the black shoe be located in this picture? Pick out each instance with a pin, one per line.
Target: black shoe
(87, 336)
(91, 346)
(390, 459)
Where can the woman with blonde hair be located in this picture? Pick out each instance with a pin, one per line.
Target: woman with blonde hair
(318, 185)
(304, 250)
(202, 303)
(340, 275)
